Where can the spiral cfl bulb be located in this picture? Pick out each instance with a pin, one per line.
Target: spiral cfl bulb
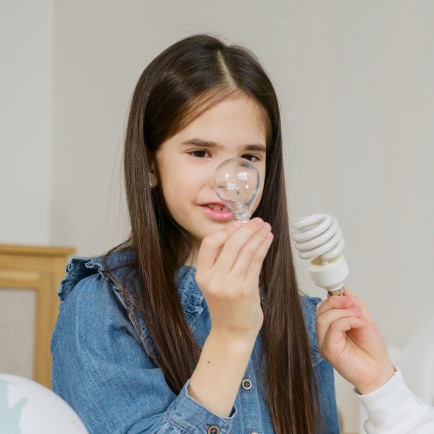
(236, 182)
(319, 239)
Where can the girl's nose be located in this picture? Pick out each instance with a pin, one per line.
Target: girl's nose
(211, 177)
(213, 170)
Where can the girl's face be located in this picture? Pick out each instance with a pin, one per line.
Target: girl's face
(235, 127)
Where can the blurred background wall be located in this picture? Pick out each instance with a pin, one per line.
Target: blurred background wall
(355, 82)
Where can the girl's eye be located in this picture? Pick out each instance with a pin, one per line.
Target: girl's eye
(250, 157)
(199, 154)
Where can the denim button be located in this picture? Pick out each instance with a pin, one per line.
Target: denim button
(246, 384)
(213, 429)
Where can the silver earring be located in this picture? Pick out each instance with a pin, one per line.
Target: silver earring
(151, 185)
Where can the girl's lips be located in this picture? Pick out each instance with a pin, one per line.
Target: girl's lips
(216, 211)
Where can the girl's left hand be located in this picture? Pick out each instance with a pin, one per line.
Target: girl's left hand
(351, 341)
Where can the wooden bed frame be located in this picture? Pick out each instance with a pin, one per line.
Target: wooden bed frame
(40, 269)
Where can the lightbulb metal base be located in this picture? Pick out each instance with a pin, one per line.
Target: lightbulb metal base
(337, 292)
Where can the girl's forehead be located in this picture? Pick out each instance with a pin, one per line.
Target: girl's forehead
(242, 117)
(237, 110)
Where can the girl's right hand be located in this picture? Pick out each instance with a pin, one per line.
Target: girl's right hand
(228, 267)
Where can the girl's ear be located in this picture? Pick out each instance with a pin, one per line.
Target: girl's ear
(153, 179)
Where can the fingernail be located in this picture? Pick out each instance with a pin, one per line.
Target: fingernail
(236, 224)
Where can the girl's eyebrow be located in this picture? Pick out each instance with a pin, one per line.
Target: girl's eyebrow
(210, 144)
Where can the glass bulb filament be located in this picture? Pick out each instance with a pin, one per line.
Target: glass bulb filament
(236, 182)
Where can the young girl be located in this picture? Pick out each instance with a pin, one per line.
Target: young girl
(145, 342)
(195, 324)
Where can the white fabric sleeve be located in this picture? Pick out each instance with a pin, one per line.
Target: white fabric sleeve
(395, 409)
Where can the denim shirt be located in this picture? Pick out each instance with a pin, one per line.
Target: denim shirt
(101, 369)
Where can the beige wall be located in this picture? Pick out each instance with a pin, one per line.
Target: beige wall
(357, 95)
(26, 120)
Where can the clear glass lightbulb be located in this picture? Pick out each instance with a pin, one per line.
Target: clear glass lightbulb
(236, 182)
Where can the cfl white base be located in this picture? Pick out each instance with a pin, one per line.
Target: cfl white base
(330, 276)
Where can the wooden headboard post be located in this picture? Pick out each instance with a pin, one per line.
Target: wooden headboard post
(40, 269)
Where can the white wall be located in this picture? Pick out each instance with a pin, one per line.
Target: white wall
(355, 84)
(26, 120)
(359, 101)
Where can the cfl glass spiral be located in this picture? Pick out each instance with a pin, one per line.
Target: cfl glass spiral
(318, 238)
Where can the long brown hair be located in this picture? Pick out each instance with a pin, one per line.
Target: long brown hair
(181, 83)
